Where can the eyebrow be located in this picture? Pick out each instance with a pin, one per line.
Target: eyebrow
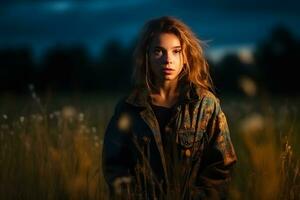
(175, 47)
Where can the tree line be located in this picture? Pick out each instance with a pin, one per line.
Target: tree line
(71, 68)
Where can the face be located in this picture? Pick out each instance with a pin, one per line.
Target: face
(165, 57)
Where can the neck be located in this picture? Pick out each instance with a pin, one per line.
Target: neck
(166, 89)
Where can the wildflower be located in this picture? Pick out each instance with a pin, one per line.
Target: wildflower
(83, 129)
(39, 118)
(33, 95)
(248, 86)
(80, 117)
(4, 127)
(119, 183)
(97, 144)
(246, 56)
(68, 112)
(94, 130)
(22, 119)
(56, 113)
(31, 87)
(33, 116)
(253, 123)
(51, 115)
(96, 138)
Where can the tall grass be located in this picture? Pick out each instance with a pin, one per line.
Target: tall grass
(52, 155)
(266, 136)
(56, 154)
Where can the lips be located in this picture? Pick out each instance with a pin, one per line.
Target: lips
(168, 71)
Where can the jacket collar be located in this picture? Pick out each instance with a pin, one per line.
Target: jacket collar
(140, 96)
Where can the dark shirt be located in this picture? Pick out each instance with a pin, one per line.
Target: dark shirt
(163, 116)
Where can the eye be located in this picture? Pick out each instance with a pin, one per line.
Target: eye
(176, 51)
(157, 52)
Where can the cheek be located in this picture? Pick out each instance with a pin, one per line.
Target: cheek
(154, 66)
(179, 69)
(154, 62)
(179, 62)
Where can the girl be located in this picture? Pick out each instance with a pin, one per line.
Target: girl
(169, 137)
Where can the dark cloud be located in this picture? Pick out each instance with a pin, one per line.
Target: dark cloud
(94, 22)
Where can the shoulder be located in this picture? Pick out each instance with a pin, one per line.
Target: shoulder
(125, 107)
(207, 96)
(122, 106)
(208, 101)
(122, 117)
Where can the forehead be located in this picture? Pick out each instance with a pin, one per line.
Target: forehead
(165, 40)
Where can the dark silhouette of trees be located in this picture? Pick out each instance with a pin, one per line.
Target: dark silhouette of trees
(228, 72)
(65, 68)
(16, 68)
(71, 69)
(277, 57)
(114, 68)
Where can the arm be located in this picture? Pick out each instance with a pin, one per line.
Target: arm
(214, 172)
(116, 156)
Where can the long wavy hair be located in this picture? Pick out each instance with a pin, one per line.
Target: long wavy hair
(195, 70)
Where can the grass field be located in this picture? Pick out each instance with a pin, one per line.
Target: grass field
(50, 148)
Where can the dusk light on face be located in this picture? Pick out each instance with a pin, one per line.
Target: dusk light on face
(166, 57)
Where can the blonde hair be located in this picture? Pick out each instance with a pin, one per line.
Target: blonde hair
(195, 70)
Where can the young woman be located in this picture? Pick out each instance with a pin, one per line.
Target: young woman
(169, 137)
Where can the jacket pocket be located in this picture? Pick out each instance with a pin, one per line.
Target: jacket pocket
(189, 138)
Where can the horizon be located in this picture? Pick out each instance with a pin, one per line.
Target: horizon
(228, 25)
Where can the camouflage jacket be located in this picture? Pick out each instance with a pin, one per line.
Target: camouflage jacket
(198, 166)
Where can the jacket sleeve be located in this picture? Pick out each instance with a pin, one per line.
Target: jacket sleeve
(116, 155)
(214, 172)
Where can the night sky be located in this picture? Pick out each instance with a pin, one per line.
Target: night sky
(232, 23)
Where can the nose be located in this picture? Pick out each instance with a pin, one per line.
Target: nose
(167, 58)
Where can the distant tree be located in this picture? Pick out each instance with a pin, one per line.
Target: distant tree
(278, 59)
(65, 68)
(16, 69)
(114, 67)
(228, 72)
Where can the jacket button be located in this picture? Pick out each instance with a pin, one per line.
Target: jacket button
(187, 153)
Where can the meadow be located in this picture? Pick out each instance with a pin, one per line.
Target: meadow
(50, 147)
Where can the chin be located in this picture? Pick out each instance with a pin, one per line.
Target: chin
(168, 78)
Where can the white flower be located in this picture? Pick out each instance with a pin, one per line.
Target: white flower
(68, 112)
(119, 181)
(39, 118)
(248, 86)
(97, 144)
(22, 119)
(246, 56)
(51, 115)
(80, 117)
(94, 130)
(253, 123)
(96, 138)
